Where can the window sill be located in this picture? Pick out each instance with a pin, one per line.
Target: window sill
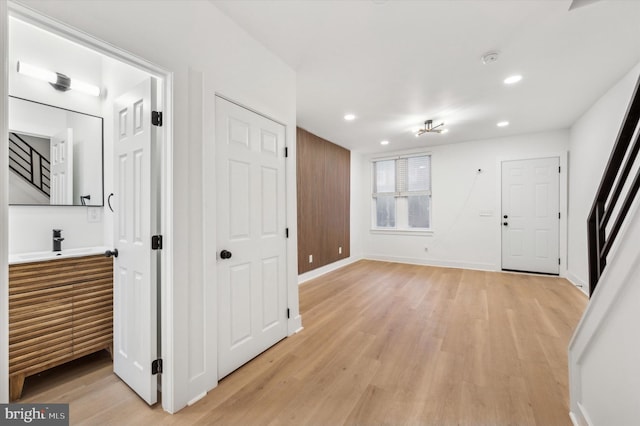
(427, 232)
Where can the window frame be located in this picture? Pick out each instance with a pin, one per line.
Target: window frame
(402, 208)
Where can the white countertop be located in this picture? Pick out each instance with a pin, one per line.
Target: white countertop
(40, 256)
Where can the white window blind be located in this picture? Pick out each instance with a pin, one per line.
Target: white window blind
(402, 192)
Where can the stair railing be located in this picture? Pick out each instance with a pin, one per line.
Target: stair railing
(29, 163)
(607, 214)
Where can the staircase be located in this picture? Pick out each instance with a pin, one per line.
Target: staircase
(604, 353)
(29, 164)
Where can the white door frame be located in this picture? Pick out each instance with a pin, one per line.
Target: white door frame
(166, 142)
(4, 210)
(562, 249)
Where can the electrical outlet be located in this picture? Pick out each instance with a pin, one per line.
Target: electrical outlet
(339, 250)
(310, 258)
(94, 214)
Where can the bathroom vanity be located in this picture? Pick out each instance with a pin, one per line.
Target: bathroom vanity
(60, 309)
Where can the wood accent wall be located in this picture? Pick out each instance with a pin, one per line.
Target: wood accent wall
(59, 310)
(324, 186)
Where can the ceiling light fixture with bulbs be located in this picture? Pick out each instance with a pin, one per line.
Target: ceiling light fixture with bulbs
(430, 128)
(57, 80)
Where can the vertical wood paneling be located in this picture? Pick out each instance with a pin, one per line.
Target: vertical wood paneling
(323, 180)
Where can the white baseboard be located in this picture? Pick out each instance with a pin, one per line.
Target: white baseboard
(302, 278)
(579, 283)
(295, 325)
(431, 262)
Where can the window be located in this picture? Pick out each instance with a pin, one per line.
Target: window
(402, 193)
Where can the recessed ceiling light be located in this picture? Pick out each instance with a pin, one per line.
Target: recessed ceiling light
(502, 124)
(384, 142)
(349, 117)
(513, 79)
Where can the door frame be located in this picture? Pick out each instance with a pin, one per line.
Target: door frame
(165, 140)
(564, 185)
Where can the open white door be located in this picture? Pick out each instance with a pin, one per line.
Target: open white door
(531, 215)
(135, 222)
(252, 286)
(62, 168)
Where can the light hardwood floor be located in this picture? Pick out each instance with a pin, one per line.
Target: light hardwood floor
(383, 343)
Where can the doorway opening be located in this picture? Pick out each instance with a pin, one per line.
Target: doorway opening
(112, 201)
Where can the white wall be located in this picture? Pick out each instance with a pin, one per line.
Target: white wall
(30, 226)
(591, 140)
(461, 236)
(36, 47)
(199, 45)
(604, 372)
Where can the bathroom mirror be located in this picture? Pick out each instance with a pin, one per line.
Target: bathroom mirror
(55, 155)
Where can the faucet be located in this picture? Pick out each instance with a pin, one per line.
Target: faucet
(57, 240)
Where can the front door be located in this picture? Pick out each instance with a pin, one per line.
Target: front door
(251, 227)
(135, 278)
(531, 215)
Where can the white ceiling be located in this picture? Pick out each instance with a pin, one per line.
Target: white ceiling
(397, 63)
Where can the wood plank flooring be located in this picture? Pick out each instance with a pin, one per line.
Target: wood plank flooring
(383, 343)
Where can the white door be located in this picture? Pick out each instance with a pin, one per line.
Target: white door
(135, 278)
(61, 172)
(252, 287)
(531, 215)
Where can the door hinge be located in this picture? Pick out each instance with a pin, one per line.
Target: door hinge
(288, 313)
(286, 232)
(156, 242)
(558, 261)
(558, 169)
(558, 215)
(286, 151)
(156, 118)
(156, 366)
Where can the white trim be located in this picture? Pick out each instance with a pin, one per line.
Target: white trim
(573, 418)
(564, 185)
(432, 262)
(166, 139)
(577, 282)
(4, 210)
(318, 272)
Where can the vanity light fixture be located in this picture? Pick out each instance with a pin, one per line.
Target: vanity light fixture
(57, 80)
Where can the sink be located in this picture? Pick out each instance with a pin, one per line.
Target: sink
(50, 255)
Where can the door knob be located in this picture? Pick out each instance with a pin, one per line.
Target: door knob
(505, 223)
(224, 254)
(110, 253)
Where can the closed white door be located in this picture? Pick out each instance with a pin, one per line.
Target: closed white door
(252, 287)
(61, 172)
(531, 215)
(135, 278)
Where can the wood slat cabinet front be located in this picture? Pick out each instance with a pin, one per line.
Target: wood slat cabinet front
(59, 310)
